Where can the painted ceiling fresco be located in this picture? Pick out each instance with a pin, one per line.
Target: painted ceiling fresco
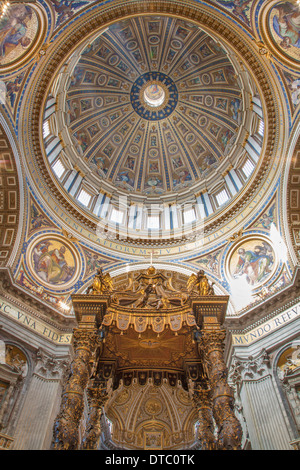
(153, 105)
(284, 20)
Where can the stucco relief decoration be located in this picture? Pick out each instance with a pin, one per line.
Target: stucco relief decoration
(289, 362)
(21, 30)
(16, 359)
(253, 260)
(53, 261)
(284, 26)
(288, 371)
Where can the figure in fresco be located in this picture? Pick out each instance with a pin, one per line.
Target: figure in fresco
(81, 141)
(100, 163)
(235, 108)
(287, 24)
(239, 8)
(181, 177)
(13, 29)
(125, 178)
(267, 218)
(154, 181)
(65, 9)
(12, 89)
(52, 265)
(37, 218)
(93, 261)
(293, 84)
(255, 263)
(211, 262)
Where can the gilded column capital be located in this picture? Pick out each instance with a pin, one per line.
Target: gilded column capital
(86, 339)
(97, 395)
(201, 397)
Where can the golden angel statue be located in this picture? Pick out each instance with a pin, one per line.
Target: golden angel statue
(199, 283)
(102, 283)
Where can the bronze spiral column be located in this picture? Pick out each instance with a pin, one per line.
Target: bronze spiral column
(97, 397)
(229, 428)
(66, 427)
(205, 432)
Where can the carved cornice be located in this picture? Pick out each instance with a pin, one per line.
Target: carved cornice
(293, 200)
(93, 306)
(210, 310)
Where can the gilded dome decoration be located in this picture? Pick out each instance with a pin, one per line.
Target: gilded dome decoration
(178, 104)
(21, 34)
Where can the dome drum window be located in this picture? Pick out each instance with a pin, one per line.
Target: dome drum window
(58, 168)
(222, 197)
(84, 197)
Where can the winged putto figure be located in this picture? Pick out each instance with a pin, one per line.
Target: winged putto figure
(199, 284)
(102, 283)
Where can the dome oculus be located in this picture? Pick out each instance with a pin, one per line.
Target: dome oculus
(154, 96)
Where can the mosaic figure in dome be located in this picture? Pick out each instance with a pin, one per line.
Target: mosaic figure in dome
(65, 9)
(293, 84)
(17, 30)
(183, 177)
(12, 90)
(56, 265)
(286, 23)
(124, 178)
(254, 262)
(240, 8)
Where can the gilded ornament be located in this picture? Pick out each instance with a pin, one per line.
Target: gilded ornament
(199, 284)
(102, 283)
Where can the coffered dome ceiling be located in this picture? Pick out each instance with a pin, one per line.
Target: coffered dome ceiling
(154, 106)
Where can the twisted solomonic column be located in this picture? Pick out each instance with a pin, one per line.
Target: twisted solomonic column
(229, 428)
(205, 433)
(97, 397)
(66, 427)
